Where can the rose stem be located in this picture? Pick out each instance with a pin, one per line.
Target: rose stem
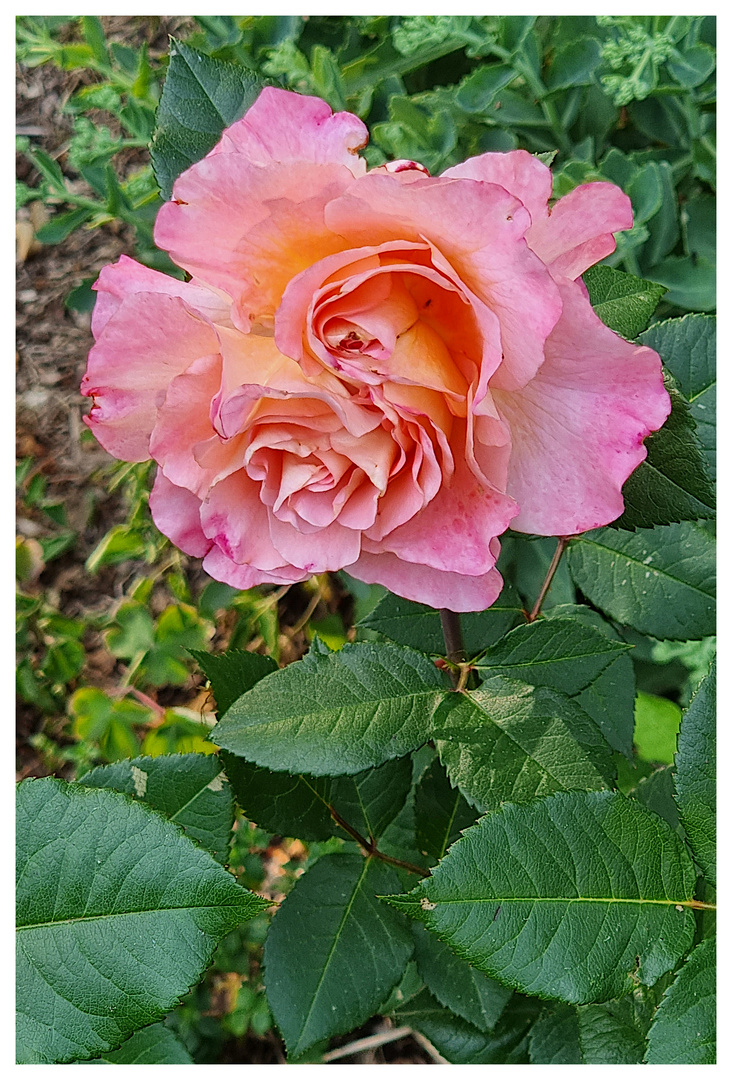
(453, 634)
(370, 847)
(556, 558)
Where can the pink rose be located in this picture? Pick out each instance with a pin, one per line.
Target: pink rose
(373, 371)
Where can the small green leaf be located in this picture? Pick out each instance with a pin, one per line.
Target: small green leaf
(107, 722)
(624, 303)
(684, 1029)
(419, 626)
(688, 349)
(153, 1045)
(232, 673)
(656, 792)
(672, 484)
(460, 1043)
(476, 92)
(280, 803)
(562, 898)
(510, 742)
(656, 725)
(118, 914)
(614, 1033)
(691, 282)
(554, 1038)
(441, 812)
(61, 226)
(338, 713)
(190, 789)
(331, 956)
(200, 98)
(371, 800)
(560, 653)
(659, 581)
(695, 774)
(460, 988)
(575, 64)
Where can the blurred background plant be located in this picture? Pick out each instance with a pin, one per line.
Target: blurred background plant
(107, 609)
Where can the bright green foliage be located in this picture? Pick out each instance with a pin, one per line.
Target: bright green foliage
(695, 774)
(560, 653)
(624, 303)
(460, 1043)
(190, 789)
(441, 812)
(153, 1045)
(469, 993)
(334, 952)
(672, 484)
(118, 914)
(584, 925)
(684, 1029)
(419, 626)
(508, 742)
(659, 581)
(688, 349)
(656, 726)
(155, 649)
(200, 98)
(336, 713)
(100, 719)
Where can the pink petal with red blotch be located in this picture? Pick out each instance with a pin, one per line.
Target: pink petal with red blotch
(126, 277)
(577, 429)
(518, 171)
(439, 589)
(282, 126)
(221, 568)
(579, 229)
(149, 340)
(177, 513)
(479, 228)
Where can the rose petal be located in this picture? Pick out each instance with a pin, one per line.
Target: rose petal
(518, 171)
(579, 230)
(149, 340)
(282, 126)
(177, 513)
(183, 422)
(429, 586)
(577, 429)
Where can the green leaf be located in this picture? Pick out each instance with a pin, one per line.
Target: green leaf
(684, 1029)
(560, 653)
(691, 282)
(693, 66)
(624, 303)
(575, 896)
(656, 792)
(281, 803)
(190, 789)
(201, 96)
(108, 723)
(118, 914)
(338, 713)
(613, 1033)
(460, 988)
(672, 484)
(659, 581)
(459, 1042)
(476, 92)
(232, 673)
(610, 698)
(695, 774)
(419, 626)
(331, 956)
(656, 725)
(441, 813)
(61, 226)
(554, 1038)
(153, 1045)
(371, 800)
(575, 64)
(510, 742)
(688, 348)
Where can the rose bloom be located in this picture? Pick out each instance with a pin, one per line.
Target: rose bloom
(377, 371)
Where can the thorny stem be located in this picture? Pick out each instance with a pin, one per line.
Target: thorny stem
(370, 847)
(556, 558)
